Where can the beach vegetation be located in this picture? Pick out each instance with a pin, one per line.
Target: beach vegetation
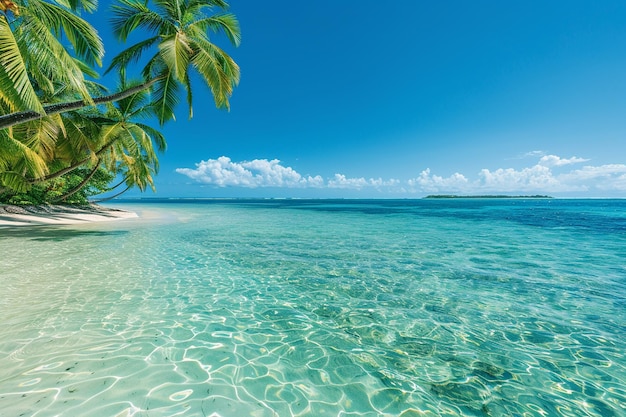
(60, 131)
(51, 191)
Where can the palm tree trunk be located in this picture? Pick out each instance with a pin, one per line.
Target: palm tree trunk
(100, 200)
(13, 119)
(81, 185)
(60, 172)
(71, 167)
(117, 185)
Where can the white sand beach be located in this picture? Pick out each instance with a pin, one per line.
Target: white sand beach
(58, 214)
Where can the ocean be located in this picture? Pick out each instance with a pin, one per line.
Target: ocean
(433, 307)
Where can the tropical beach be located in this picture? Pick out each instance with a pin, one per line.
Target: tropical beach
(313, 209)
(11, 216)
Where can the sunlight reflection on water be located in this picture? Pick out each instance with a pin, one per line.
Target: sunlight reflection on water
(317, 309)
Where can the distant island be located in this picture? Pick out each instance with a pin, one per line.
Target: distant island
(486, 196)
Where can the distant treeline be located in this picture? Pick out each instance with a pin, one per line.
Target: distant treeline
(486, 196)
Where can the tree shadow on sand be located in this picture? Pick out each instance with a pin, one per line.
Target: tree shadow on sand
(47, 233)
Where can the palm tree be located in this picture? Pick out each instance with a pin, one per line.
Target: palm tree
(132, 150)
(180, 43)
(181, 40)
(34, 65)
(110, 139)
(48, 141)
(113, 139)
(31, 51)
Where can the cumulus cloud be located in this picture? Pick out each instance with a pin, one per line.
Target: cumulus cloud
(223, 172)
(538, 177)
(433, 183)
(555, 161)
(550, 174)
(544, 177)
(610, 177)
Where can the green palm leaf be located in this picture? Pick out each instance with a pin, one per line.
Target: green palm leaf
(187, 84)
(218, 70)
(41, 135)
(129, 15)
(48, 61)
(83, 37)
(87, 5)
(183, 44)
(165, 96)
(14, 181)
(132, 54)
(176, 51)
(157, 136)
(13, 152)
(16, 89)
(226, 23)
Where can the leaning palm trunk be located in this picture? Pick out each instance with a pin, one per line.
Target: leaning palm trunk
(60, 172)
(101, 200)
(72, 167)
(80, 186)
(13, 119)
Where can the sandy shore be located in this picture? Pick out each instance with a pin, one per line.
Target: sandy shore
(58, 214)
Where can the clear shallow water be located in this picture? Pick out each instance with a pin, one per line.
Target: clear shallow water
(319, 308)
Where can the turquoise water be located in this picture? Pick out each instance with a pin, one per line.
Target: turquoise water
(319, 308)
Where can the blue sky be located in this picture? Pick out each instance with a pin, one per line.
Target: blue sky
(353, 99)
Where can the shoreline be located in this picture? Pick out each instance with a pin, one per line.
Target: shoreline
(12, 215)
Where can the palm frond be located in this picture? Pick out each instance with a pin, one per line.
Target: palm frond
(187, 83)
(86, 69)
(176, 52)
(134, 105)
(218, 70)
(14, 181)
(174, 10)
(129, 15)
(48, 61)
(226, 23)
(156, 136)
(194, 4)
(16, 153)
(144, 144)
(96, 89)
(17, 90)
(82, 137)
(165, 96)
(41, 135)
(89, 6)
(6, 152)
(132, 54)
(83, 37)
(154, 67)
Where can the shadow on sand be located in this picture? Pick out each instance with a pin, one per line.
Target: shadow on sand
(50, 233)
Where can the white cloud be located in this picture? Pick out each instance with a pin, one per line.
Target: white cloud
(433, 183)
(531, 154)
(340, 181)
(610, 177)
(534, 154)
(534, 178)
(555, 161)
(550, 174)
(250, 174)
